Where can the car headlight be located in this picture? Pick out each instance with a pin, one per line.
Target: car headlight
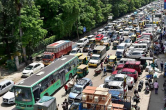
(12, 98)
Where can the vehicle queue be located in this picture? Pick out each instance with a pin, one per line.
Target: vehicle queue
(125, 66)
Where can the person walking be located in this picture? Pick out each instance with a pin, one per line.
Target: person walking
(156, 86)
(161, 65)
(101, 65)
(66, 87)
(105, 71)
(66, 104)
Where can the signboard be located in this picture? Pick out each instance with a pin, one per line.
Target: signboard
(84, 29)
(164, 5)
(109, 17)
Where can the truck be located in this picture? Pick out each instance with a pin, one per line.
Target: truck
(99, 53)
(56, 50)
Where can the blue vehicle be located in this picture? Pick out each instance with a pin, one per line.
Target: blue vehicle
(76, 91)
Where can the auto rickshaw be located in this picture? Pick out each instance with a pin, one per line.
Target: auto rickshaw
(115, 44)
(133, 38)
(79, 54)
(99, 42)
(92, 41)
(133, 30)
(138, 32)
(112, 61)
(144, 61)
(141, 24)
(82, 71)
(83, 60)
(107, 46)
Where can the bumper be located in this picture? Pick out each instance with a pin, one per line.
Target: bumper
(9, 102)
(46, 63)
(25, 75)
(24, 108)
(94, 65)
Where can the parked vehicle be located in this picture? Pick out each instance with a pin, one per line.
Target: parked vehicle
(99, 53)
(32, 68)
(82, 42)
(76, 91)
(75, 51)
(9, 97)
(5, 86)
(128, 71)
(56, 50)
(134, 65)
(120, 77)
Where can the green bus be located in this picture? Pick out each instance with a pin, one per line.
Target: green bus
(45, 82)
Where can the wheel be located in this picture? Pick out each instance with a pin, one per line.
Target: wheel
(31, 74)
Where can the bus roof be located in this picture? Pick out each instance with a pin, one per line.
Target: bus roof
(58, 44)
(30, 81)
(100, 47)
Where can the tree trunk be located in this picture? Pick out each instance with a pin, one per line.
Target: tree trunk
(77, 31)
(24, 54)
(7, 48)
(17, 62)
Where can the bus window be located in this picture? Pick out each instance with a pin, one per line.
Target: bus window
(23, 94)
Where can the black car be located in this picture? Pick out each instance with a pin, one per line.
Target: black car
(114, 37)
(88, 46)
(110, 33)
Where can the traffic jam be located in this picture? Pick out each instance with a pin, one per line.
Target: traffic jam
(118, 54)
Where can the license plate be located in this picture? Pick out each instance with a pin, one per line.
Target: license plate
(22, 107)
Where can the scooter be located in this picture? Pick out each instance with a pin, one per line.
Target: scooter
(140, 85)
(136, 107)
(106, 60)
(136, 98)
(147, 89)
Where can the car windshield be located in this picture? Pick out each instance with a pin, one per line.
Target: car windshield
(47, 57)
(86, 45)
(118, 79)
(104, 38)
(130, 34)
(127, 41)
(73, 51)
(126, 30)
(97, 36)
(118, 53)
(130, 27)
(29, 67)
(76, 90)
(22, 94)
(114, 36)
(120, 47)
(94, 58)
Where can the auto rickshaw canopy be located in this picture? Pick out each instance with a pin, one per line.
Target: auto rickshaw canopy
(92, 40)
(79, 54)
(82, 66)
(82, 57)
(106, 44)
(112, 57)
(115, 42)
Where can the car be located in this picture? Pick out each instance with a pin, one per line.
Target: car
(9, 97)
(82, 42)
(121, 31)
(100, 31)
(110, 33)
(130, 27)
(75, 51)
(136, 54)
(114, 37)
(115, 86)
(124, 60)
(106, 40)
(104, 33)
(126, 31)
(120, 77)
(88, 46)
(90, 37)
(5, 86)
(131, 34)
(32, 68)
(128, 71)
(99, 37)
(122, 47)
(128, 42)
(77, 89)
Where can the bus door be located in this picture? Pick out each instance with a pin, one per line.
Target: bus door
(36, 94)
(62, 76)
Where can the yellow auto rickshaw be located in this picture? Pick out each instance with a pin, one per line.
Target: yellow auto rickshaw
(79, 54)
(112, 61)
(83, 60)
(107, 46)
(82, 71)
(141, 24)
(99, 42)
(115, 44)
(92, 41)
(133, 30)
(133, 38)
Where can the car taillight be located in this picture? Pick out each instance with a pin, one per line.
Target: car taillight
(131, 82)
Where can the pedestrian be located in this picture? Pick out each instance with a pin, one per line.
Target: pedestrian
(156, 86)
(163, 48)
(161, 65)
(66, 104)
(104, 71)
(66, 87)
(101, 65)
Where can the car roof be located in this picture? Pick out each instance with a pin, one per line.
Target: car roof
(115, 83)
(122, 44)
(133, 62)
(120, 75)
(82, 82)
(137, 51)
(76, 48)
(5, 81)
(83, 38)
(33, 64)
(128, 69)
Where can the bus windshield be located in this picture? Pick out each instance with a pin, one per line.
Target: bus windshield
(22, 94)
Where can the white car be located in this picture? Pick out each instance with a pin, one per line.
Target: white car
(100, 31)
(121, 31)
(120, 77)
(115, 85)
(32, 68)
(126, 31)
(5, 86)
(136, 54)
(75, 51)
(128, 42)
(9, 97)
(82, 42)
(106, 40)
(91, 36)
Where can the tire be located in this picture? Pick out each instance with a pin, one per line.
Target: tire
(31, 74)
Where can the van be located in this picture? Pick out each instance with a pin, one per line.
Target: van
(122, 47)
(82, 42)
(5, 86)
(142, 46)
(124, 60)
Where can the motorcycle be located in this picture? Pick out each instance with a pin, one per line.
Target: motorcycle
(136, 98)
(147, 89)
(140, 85)
(136, 107)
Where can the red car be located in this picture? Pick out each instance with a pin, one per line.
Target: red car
(99, 37)
(120, 66)
(134, 65)
(128, 71)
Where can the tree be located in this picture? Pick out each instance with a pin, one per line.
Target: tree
(131, 6)
(31, 25)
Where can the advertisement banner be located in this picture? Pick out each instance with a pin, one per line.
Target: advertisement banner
(164, 5)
